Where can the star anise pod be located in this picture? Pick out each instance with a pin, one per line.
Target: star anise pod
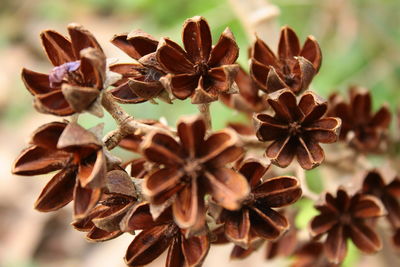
(201, 71)
(346, 217)
(77, 77)
(293, 68)
(311, 254)
(103, 221)
(248, 99)
(193, 167)
(257, 217)
(79, 157)
(160, 235)
(388, 193)
(367, 128)
(296, 128)
(140, 81)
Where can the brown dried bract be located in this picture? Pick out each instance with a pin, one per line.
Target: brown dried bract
(79, 157)
(346, 217)
(201, 71)
(311, 254)
(257, 217)
(140, 81)
(78, 75)
(193, 167)
(296, 129)
(363, 129)
(293, 68)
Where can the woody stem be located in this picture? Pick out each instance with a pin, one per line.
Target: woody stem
(205, 111)
(126, 124)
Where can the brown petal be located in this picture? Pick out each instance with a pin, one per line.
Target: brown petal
(306, 71)
(335, 245)
(81, 39)
(162, 148)
(99, 235)
(309, 153)
(175, 256)
(58, 192)
(53, 103)
(312, 52)
(173, 58)
(75, 135)
(227, 187)
(268, 128)
(196, 37)
(123, 94)
(195, 249)
(253, 170)
(181, 85)
(221, 148)
(365, 238)
(396, 238)
(225, 52)
(110, 219)
(237, 227)
(281, 152)
(289, 45)
(313, 107)
(185, 206)
(136, 44)
(285, 105)
(93, 67)
(35, 82)
(259, 73)
(382, 118)
(47, 135)
(368, 207)
(85, 199)
(393, 187)
(323, 223)
(92, 171)
(58, 48)
(361, 103)
(121, 41)
(191, 131)
(86, 224)
(222, 78)
(275, 82)
(145, 89)
(372, 181)
(278, 191)
(204, 92)
(162, 184)
(119, 182)
(36, 160)
(263, 54)
(267, 223)
(137, 218)
(148, 245)
(241, 253)
(79, 98)
(325, 130)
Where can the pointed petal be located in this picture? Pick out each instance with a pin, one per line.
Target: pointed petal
(123, 94)
(162, 148)
(263, 54)
(173, 58)
(325, 130)
(58, 48)
(289, 45)
(191, 131)
(181, 85)
(53, 103)
(335, 245)
(365, 238)
(309, 153)
(36, 83)
(92, 171)
(196, 38)
(253, 170)
(382, 118)
(237, 227)
(175, 256)
(275, 82)
(93, 67)
(79, 98)
(58, 192)
(368, 207)
(75, 136)
(195, 249)
(268, 128)
(47, 135)
(137, 218)
(85, 199)
(323, 223)
(81, 39)
(185, 206)
(312, 52)
(285, 105)
(225, 52)
(259, 73)
(282, 151)
(267, 223)
(312, 106)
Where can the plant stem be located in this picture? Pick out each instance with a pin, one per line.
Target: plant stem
(205, 111)
(301, 175)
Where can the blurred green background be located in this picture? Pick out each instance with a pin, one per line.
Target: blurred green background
(360, 41)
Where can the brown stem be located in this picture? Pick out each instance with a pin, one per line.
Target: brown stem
(126, 123)
(205, 111)
(301, 175)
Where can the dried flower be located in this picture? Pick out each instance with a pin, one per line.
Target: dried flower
(294, 68)
(119, 198)
(78, 75)
(257, 217)
(344, 217)
(140, 81)
(248, 99)
(311, 254)
(201, 71)
(296, 128)
(79, 156)
(367, 129)
(193, 167)
(159, 235)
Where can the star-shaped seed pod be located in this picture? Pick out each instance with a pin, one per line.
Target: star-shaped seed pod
(257, 218)
(191, 168)
(77, 78)
(78, 156)
(294, 67)
(160, 235)
(140, 81)
(346, 217)
(248, 99)
(201, 71)
(119, 198)
(296, 129)
(364, 129)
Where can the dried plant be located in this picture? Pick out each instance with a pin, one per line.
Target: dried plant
(189, 188)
